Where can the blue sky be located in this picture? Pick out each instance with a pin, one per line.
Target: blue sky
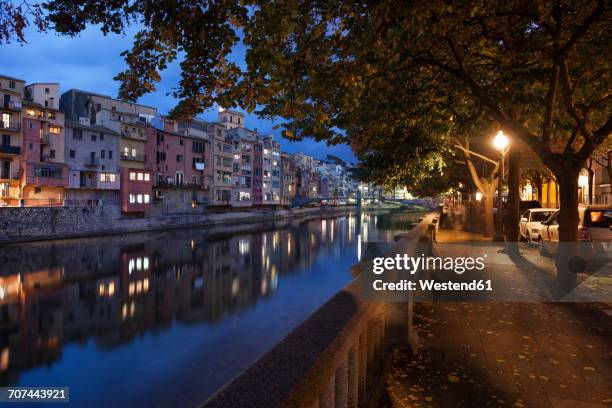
(91, 60)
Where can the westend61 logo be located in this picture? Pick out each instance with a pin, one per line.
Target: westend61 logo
(427, 263)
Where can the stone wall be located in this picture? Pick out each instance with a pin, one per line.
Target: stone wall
(37, 223)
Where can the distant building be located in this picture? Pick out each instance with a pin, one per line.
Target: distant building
(231, 119)
(288, 179)
(244, 142)
(271, 171)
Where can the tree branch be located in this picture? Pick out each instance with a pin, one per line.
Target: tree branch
(581, 31)
(551, 98)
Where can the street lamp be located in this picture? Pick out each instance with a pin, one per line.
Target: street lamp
(500, 142)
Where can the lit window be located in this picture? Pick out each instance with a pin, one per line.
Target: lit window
(55, 130)
(145, 263)
(140, 176)
(146, 198)
(131, 288)
(145, 285)
(138, 287)
(147, 177)
(133, 152)
(132, 175)
(139, 199)
(139, 264)
(107, 177)
(111, 289)
(132, 198)
(101, 289)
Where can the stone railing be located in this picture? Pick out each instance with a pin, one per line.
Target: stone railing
(337, 358)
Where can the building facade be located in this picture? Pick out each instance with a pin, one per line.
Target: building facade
(11, 145)
(44, 174)
(92, 154)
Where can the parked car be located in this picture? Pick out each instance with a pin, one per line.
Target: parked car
(531, 222)
(594, 232)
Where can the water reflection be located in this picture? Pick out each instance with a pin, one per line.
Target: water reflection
(113, 289)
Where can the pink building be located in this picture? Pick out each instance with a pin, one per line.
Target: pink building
(44, 172)
(178, 159)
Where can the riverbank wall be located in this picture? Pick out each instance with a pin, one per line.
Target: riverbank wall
(42, 223)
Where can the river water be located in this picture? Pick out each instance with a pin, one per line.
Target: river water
(167, 318)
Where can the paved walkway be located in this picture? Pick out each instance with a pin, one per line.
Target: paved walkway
(505, 354)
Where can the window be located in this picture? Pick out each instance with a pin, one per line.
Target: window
(12, 84)
(51, 115)
(140, 176)
(179, 158)
(52, 154)
(110, 154)
(132, 175)
(101, 136)
(93, 137)
(47, 90)
(103, 154)
(147, 198)
(147, 177)
(55, 130)
(6, 140)
(107, 177)
(133, 152)
(132, 199)
(181, 142)
(77, 134)
(197, 147)
(139, 198)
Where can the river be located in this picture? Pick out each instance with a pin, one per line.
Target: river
(167, 318)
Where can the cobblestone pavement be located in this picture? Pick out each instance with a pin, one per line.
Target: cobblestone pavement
(506, 354)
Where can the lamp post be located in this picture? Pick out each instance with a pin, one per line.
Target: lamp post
(500, 142)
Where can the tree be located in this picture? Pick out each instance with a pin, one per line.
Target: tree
(541, 68)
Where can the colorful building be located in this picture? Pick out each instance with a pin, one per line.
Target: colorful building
(44, 174)
(11, 144)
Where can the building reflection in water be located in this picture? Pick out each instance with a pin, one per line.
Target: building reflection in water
(114, 288)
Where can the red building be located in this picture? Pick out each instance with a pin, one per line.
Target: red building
(136, 190)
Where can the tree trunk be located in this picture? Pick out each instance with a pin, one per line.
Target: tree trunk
(591, 183)
(489, 195)
(566, 259)
(568, 214)
(512, 215)
(538, 180)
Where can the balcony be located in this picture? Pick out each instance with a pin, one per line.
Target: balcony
(5, 175)
(11, 126)
(134, 135)
(92, 162)
(7, 149)
(138, 157)
(12, 105)
(45, 138)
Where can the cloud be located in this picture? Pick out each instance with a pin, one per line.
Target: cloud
(90, 60)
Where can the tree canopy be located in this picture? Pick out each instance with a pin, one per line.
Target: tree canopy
(394, 80)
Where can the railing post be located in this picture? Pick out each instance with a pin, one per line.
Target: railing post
(353, 376)
(363, 368)
(341, 384)
(327, 399)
